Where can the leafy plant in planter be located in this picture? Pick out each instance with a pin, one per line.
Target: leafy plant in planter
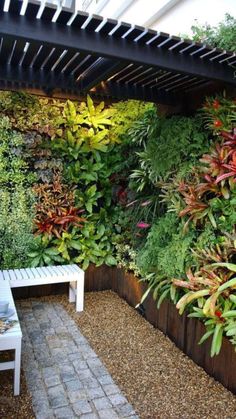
(223, 322)
(214, 288)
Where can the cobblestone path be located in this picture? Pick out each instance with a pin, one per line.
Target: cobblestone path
(64, 375)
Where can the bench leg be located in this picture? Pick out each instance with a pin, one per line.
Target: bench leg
(80, 293)
(72, 292)
(17, 369)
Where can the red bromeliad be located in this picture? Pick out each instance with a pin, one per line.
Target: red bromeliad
(230, 169)
(217, 123)
(59, 221)
(55, 209)
(215, 160)
(216, 104)
(218, 313)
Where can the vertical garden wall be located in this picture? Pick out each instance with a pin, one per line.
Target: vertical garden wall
(124, 184)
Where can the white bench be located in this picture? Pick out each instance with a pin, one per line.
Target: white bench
(49, 275)
(11, 339)
(14, 278)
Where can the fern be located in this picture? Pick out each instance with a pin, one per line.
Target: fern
(177, 141)
(166, 251)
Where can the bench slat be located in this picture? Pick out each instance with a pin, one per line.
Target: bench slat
(51, 271)
(12, 274)
(46, 272)
(60, 269)
(29, 273)
(19, 274)
(6, 275)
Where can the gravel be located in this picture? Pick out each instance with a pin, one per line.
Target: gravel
(12, 407)
(156, 377)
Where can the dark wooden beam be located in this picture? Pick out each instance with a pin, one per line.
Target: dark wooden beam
(101, 72)
(125, 91)
(51, 82)
(90, 42)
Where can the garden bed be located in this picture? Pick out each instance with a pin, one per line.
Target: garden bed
(184, 332)
(158, 379)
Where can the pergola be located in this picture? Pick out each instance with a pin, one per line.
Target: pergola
(61, 52)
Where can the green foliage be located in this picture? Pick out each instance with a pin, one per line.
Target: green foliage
(88, 198)
(219, 113)
(27, 112)
(83, 129)
(166, 251)
(16, 198)
(127, 258)
(126, 115)
(41, 253)
(95, 245)
(221, 36)
(16, 223)
(84, 141)
(177, 140)
(13, 155)
(189, 253)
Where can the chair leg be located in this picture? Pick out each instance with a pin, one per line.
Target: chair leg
(72, 291)
(80, 293)
(17, 369)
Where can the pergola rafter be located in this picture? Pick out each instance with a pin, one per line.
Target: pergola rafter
(74, 52)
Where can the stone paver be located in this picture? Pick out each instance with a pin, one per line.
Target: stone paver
(63, 373)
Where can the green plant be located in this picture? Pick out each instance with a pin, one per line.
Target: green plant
(13, 158)
(42, 116)
(221, 36)
(83, 129)
(167, 250)
(127, 258)
(68, 243)
(41, 252)
(219, 114)
(186, 139)
(198, 187)
(223, 321)
(93, 243)
(16, 198)
(16, 224)
(125, 118)
(96, 245)
(88, 198)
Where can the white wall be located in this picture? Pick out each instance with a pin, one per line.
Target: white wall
(182, 16)
(178, 19)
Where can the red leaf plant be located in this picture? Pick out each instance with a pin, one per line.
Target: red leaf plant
(230, 169)
(55, 208)
(195, 208)
(59, 221)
